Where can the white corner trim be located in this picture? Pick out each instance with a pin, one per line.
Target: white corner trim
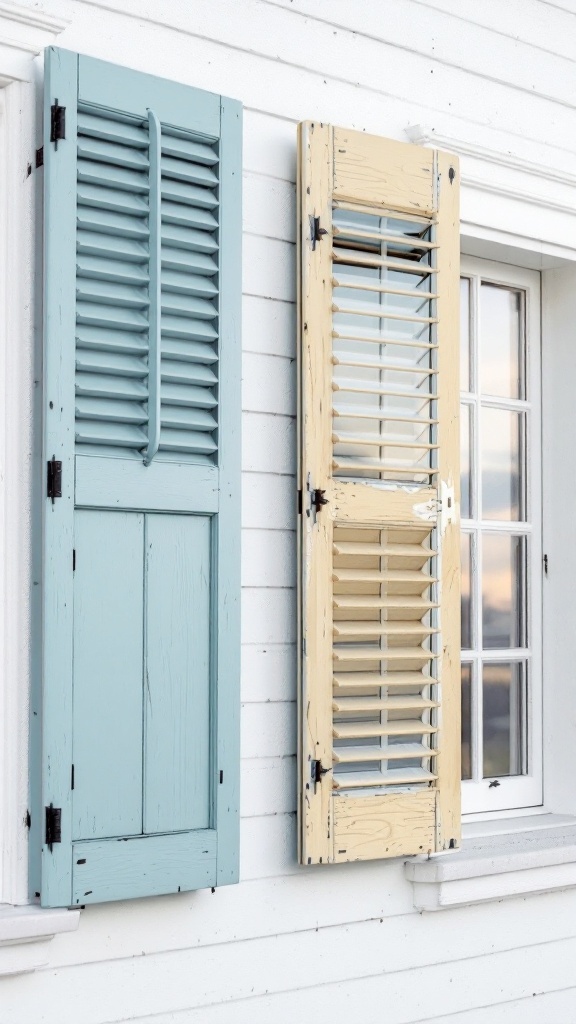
(426, 136)
(24, 32)
(496, 867)
(25, 933)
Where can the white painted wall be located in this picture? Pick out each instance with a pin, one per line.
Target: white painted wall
(493, 79)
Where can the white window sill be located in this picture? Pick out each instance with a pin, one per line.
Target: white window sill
(536, 854)
(25, 933)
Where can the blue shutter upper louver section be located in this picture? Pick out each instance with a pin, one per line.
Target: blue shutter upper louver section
(114, 282)
(189, 297)
(135, 719)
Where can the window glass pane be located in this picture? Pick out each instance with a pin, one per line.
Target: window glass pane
(502, 590)
(500, 340)
(466, 721)
(502, 483)
(465, 477)
(502, 719)
(464, 334)
(466, 603)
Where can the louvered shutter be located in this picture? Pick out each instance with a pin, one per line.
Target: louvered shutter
(379, 253)
(140, 679)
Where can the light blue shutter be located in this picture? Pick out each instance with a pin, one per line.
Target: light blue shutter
(140, 669)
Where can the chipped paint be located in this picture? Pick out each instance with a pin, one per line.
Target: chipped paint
(427, 510)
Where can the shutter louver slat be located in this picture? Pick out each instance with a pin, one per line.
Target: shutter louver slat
(111, 294)
(188, 216)
(111, 247)
(107, 175)
(187, 171)
(122, 130)
(385, 703)
(189, 195)
(185, 327)
(106, 222)
(393, 777)
(101, 151)
(112, 341)
(379, 393)
(110, 199)
(197, 262)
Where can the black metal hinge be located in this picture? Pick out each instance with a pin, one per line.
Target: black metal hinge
(317, 499)
(316, 232)
(317, 771)
(40, 157)
(54, 479)
(53, 826)
(57, 123)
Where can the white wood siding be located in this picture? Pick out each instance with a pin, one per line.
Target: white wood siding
(342, 943)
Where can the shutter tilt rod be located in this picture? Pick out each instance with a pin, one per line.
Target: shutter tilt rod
(154, 265)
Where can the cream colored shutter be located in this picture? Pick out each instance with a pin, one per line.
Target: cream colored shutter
(380, 602)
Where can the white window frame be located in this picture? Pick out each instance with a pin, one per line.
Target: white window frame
(521, 791)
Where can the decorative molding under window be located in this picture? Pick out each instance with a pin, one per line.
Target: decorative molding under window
(25, 933)
(24, 32)
(495, 868)
(426, 136)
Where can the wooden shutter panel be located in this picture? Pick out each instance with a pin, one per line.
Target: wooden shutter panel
(140, 681)
(380, 612)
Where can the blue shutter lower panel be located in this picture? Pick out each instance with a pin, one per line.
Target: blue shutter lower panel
(139, 696)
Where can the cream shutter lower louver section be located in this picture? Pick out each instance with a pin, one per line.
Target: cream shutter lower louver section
(379, 540)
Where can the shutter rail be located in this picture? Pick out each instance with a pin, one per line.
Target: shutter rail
(155, 264)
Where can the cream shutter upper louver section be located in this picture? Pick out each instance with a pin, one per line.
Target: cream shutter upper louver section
(380, 601)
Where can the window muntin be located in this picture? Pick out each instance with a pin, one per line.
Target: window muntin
(501, 545)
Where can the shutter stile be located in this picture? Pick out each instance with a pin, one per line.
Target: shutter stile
(114, 258)
(378, 596)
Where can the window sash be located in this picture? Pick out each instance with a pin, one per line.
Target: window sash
(524, 790)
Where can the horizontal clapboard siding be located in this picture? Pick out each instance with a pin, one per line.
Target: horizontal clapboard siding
(352, 965)
(312, 48)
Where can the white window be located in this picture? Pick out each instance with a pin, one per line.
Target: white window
(501, 537)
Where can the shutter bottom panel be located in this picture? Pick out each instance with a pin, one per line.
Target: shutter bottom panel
(114, 869)
(400, 824)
